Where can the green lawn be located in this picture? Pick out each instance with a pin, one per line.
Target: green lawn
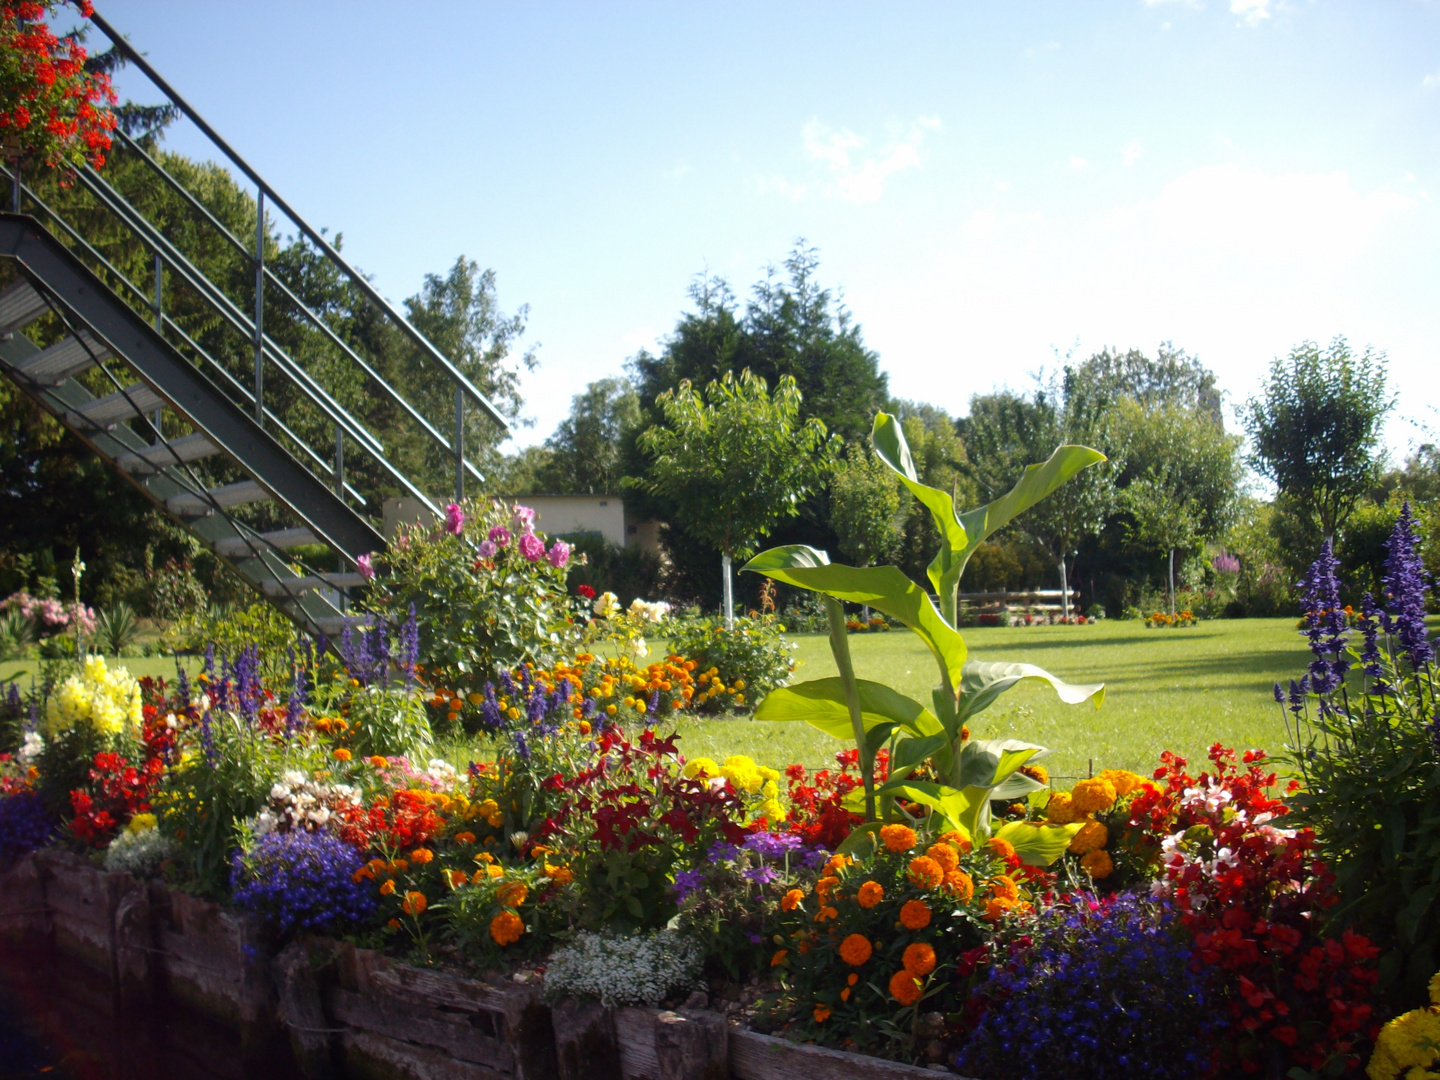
(1176, 689)
(1165, 689)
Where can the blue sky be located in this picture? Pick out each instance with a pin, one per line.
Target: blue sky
(987, 184)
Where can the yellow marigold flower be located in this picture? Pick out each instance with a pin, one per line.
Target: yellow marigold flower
(904, 988)
(387, 887)
(420, 856)
(914, 915)
(142, 823)
(584, 727)
(945, 855)
(792, 899)
(1002, 849)
(957, 838)
(495, 871)
(1060, 810)
(506, 928)
(1124, 781)
(997, 906)
(898, 837)
(1091, 837)
(1004, 886)
(822, 1013)
(341, 754)
(856, 949)
(925, 872)
(484, 857)
(870, 894)
(773, 810)
(960, 885)
(1097, 864)
(465, 838)
(919, 959)
(560, 875)
(495, 820)
(414, 904)
(1093, 795)
(779, 957)
(489, 807)
(512, 894)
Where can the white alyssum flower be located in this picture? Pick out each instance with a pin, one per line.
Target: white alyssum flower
(31, 749)
(643, 969)
(138, 852)
(298, 802)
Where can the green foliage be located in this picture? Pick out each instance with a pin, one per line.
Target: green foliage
(625, 571)
(231, 630)
(390, 721)
(865, 508)
(585, 451)
(735, 461)
(1317, 426)
(64, 765)
(752, 659)
(476, 613)
(116, 629)
(17, 634)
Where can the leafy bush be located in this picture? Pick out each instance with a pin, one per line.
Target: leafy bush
(139, 849)
(225, 631)
(748, 662)
(116, 629)
(1099, 988)
(643, 969)
(486, 590)
(301, 881)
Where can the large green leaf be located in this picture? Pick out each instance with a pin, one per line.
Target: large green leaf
(1038, 845)
(988, 763)
(1035, 483)
(884, 588)
(887, 436)
(821, 703)
(910, 754)
(982, 682)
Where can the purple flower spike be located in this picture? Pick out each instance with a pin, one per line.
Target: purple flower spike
(532, 547)
(1325, 622)
(454, 519)
(1405, 589)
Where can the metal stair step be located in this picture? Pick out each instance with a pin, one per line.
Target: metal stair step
(122, 405)
(231, 495)
(289, 586)
(64, 359)
(155, 458)
(335, 626)
(20, 305)
(236, 547)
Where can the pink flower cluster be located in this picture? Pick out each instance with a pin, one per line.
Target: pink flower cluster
(50, 614)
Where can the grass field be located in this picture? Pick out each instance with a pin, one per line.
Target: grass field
(1164, 689)
(1175, 689)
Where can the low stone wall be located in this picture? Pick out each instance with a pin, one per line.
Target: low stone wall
(341, 1011)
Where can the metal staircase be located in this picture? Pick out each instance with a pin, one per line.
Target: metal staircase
(219, 449)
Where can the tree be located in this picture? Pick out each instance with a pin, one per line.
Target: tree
(865, 504)
(1173, 378)
(735, 461)
(1316, 427)
(586, 447)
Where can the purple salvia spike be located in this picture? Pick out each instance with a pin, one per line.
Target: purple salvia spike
(1405, 588)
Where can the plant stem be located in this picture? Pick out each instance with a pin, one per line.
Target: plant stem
(840, 646)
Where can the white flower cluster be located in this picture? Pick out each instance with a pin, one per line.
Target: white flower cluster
(654, 613)
(138, 851)
(1180, 852)
(641, 970)
(298, 802)
(31, 748)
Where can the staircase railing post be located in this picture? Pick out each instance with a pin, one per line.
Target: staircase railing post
(15, 184)
(259, 305)
(459, 443)
(339, 461)
(159, 326)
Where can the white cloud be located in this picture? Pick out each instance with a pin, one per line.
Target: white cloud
(1251, 12)
(1431, 81)
(1078, 163)
(1130, 152)
(854, 175)
(1196, 4)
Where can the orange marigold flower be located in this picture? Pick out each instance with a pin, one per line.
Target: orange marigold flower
(792, 899)
(393, 924)
(512, 894)
(836, 863)
(856, 949)
(1036, 773)
(825, 886)
(925, 872)
(378, 762)
(1097, 864)
(1094, 794)
(1091, 837)
(1060, 810)
(870, 894)
(945, 855)
(956, 837)
(1124, 780)
(420, 856)
(898, 837)
(561, 875)
(904, 988)
(1002, 849)
(851, 979)
(914, 915)
(506, 928)
(825, 914)
(341, 754)
(960, 885)
(457, 878)
(997, 906)
(919, 959)
(465, 838)
(845, 994)
(822, 1013)
(1005, 887)
(414, 903)
(387, 887)
(363, 874)
(779, 957)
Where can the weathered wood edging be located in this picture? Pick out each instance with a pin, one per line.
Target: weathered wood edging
(350, 1012)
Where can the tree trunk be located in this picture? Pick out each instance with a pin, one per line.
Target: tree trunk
(1064, 589)
(1172, 583)
(728, 593)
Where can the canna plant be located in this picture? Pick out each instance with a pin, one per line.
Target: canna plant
(969, 773)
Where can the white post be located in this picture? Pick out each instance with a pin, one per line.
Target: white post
(1172, 583)
(729, 593)
(1064, 589)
